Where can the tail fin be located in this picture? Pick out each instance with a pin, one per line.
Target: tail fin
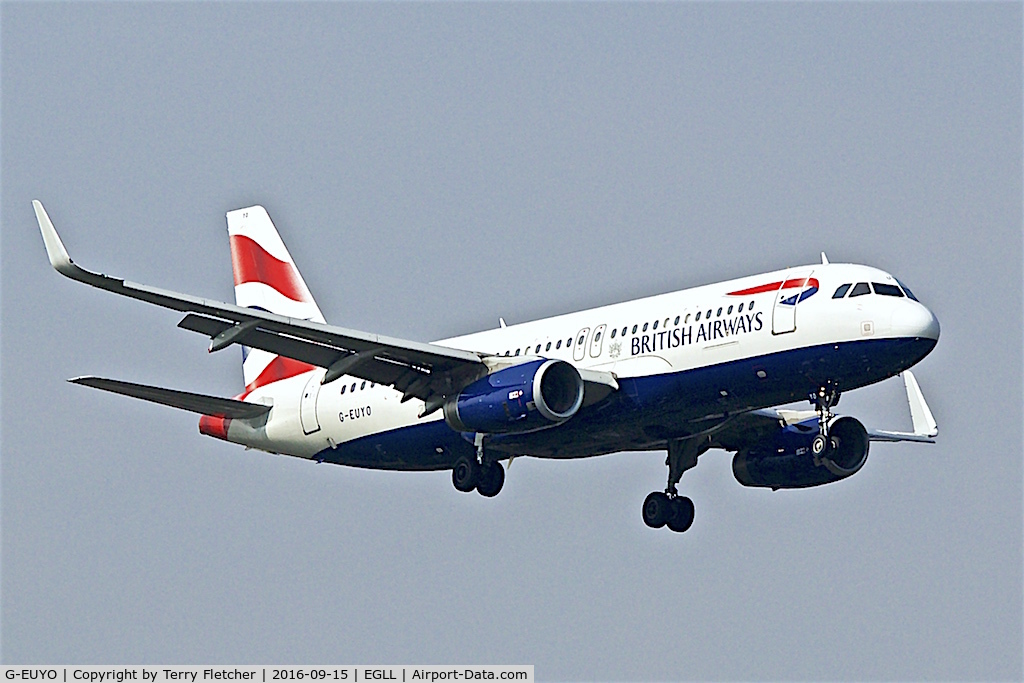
(266, 278)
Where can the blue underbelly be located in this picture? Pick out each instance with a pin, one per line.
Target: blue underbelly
(647, 410)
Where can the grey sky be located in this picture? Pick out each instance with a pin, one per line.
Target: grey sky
(434, 166)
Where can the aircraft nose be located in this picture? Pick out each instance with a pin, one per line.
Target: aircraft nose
(912, 319)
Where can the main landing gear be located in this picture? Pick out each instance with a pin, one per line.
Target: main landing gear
(487, 477)
(668, 508)
(824, 400)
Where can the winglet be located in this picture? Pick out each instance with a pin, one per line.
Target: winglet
(55, 250)
(925, 428)
(924, 423)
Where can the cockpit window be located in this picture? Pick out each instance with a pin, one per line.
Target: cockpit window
(887, 290)
(906, 290)
(841, 292)
(860, 289)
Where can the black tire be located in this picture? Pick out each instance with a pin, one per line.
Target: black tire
(682, 514)
(465, 474)
(657, 510)
(492, 478)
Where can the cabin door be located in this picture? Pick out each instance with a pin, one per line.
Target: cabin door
(307, 404)
(787, 297)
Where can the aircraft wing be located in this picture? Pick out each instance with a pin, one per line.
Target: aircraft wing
(428, 372)
(758, 425)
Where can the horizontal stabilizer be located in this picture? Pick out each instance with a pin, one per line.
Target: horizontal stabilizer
(196, 403)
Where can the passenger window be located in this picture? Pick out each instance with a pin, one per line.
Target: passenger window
(906, 290)
(614, 332)
(719, 314)
(362, 386)
(624, 331)
(582, 337)
(655, 325)
(344, 388)
(517, 352)
(698, 316)
(666, 322)
(568, 342)
(645, 326)
(634, 329)
(740, 309)
(537, 350)
(887, 290)
(750, 306)
(559, 344)
(676, 322)
(597, 337)
(353, 387)
(548, 347)
(729, 312)
(860, 289)
(708, 314)
(841, 292)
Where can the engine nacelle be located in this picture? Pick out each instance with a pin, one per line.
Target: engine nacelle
(521, 398)
(786, 461)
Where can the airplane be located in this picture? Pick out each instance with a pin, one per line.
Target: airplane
(682, 372)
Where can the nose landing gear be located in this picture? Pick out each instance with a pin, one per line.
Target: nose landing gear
(824, 400)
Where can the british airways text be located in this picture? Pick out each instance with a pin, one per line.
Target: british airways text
(706, 331)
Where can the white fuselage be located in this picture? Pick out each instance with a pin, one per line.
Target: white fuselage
(663, 335)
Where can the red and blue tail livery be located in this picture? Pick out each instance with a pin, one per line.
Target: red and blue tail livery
(683, 372)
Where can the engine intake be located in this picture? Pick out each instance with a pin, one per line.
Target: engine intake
(521, 398)
(786, 462)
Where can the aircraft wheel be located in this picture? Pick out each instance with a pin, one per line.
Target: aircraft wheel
(819, 444)
(465, 474)
(657, 510)
(492, 478)
(682, 514)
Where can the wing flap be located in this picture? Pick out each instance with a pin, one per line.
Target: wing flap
(376, 366)
(185, 400)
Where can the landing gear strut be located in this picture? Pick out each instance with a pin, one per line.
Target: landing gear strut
(823, 400)
(668, 508)
(486, 476)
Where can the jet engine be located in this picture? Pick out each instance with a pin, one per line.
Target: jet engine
(520, 398)
(786, 460)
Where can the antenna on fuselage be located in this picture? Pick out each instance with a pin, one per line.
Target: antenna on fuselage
(824, 259)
